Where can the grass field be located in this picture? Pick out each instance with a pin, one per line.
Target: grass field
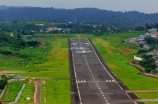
(58, 92)
(119, 55)
(28, 91)
(56, 59)
(57, 56)
(11, 91)
(151, 102)
(147, 95)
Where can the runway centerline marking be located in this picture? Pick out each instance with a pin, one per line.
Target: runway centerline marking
(91, 78)
(88, 66)
(104, 66)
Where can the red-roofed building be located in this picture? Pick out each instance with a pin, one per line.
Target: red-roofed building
(51, 28)
(155, 37)
(146, 34)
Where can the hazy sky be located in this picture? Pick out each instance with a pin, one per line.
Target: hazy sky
(147, 6)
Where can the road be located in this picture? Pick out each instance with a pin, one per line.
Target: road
(37, 96)
(94, 83)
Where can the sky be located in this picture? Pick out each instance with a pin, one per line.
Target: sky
(146, 6)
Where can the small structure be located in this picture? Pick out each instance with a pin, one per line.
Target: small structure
(141, 40)
(146, 47)
(51, 28)
(19, 78)
(132, 40)
(25, 35)
(16, 77)
(30, 81)
(40, 24)
(155, 37)
(138, 58)
(28, 98)
(32, 31)
(0, 77)
(152, 30)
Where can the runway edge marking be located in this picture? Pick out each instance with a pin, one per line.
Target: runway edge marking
(104, 66)
(106, 69)
(76, 77)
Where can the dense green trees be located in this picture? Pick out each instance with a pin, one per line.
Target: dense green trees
(149, 26)
(2, 83)
(151, 41)
(148, 63)
(14, 43)
(130, 19)
(140, 28)
(32, 43)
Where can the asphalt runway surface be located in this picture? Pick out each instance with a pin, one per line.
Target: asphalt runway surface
(94, 82)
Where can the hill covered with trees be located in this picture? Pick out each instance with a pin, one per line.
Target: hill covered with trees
(130, 19)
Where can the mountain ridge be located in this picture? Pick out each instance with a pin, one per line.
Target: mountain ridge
(130, 19)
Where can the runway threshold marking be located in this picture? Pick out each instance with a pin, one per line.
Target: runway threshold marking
(106, 69)
(92, 74)
(104, 66)
(94, 77)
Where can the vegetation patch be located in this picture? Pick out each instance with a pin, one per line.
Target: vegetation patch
(150, 102)
(130, 59)
(126, 50)
(57, 57)
(58, 92)
(112, 65)
(105, 44)
(28, 91)
(11, 91)
(147, 95)
(128, 74)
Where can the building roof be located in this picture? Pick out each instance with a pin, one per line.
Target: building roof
(52, 27)
(11, 75)
(15, 76)
(155, 37)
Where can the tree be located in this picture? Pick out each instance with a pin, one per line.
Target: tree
(2, 84)
(3, 77)
(33, 43)
(140, 28)
(148, 70)
(147, 26)
(148, 63)
(141, 45)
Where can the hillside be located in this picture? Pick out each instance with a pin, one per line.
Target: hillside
(83, 15)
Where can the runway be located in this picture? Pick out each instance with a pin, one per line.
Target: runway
(95, 83)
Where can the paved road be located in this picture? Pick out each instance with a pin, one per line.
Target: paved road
(19, 94)
(95, 85)
(38, 92)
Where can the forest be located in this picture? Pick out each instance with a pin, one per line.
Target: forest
(131, 19)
